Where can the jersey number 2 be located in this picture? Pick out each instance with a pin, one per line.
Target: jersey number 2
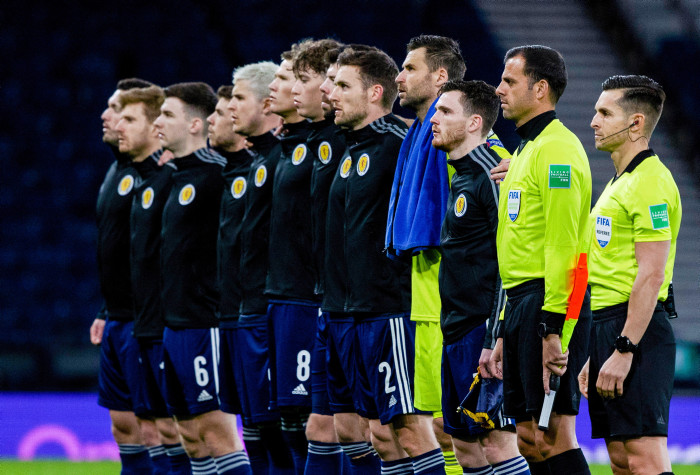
(384, 366)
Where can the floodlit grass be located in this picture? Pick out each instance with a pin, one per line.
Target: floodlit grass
(60, 467)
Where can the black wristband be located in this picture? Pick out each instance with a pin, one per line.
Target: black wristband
(554, 320)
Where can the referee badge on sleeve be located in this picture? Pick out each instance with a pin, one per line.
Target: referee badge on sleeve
(659, 216)
(186, 195)
(603, 230)
(513, 204)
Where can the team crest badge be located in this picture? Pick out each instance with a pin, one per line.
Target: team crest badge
(186, 195)
(513, 204)
(659, 216)
(325, 153)
(603, 230)
(238, 187)
(460, 205)
(260, 176)
(363, 164)
(126, 185)
(147, 198)
(299, 154)
(345, 167)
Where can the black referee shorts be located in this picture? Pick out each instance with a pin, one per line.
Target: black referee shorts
(522, 355)
(643, 408)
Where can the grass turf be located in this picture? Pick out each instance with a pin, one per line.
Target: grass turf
(60, 467)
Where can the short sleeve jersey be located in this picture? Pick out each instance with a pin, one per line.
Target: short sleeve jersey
(641, 205)
(146, 224)
(113, 264)
(290, 273)
(255, 233)
(543, 210)
(470, 286)
(376, 283)
(326, 145)
(235, 176)
(190, 230)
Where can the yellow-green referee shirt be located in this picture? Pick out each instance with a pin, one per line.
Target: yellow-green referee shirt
(641, 205)
(543, 210)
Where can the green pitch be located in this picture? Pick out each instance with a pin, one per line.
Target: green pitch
(55, 467)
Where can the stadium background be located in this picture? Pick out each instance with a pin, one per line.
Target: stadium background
(61, 60)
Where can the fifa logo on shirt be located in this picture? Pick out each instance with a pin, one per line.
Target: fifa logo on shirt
(299, 154)
(260, 176)
(363, 164)
(186, 195)
(126, 185)
(513, 204)
(345, 167)
(147, 198)
(603, 230)
(460, 205)
(325, 153)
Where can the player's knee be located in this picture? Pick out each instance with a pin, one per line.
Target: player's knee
(125, 428)
(382, 440)
(167, 431)
(528, 448)
(321, 429)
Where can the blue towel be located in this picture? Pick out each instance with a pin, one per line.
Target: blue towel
(419, 193)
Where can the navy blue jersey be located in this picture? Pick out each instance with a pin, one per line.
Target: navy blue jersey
(290, 273)
(375, 282)
(326, 144)
(255, 233)
(190, 230)
(470, 285)
(235, 175)
(146, 224)
(113, 209)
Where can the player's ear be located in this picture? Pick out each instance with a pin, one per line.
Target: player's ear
(196, 125)
(266, 106)
(441, 76)
(375, 93)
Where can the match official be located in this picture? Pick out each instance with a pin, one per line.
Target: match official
(543, 206)
(632, 235)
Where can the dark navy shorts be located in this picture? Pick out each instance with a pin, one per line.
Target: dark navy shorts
(119, 378)
(342, 366)
(643, 408)
(190, 358)
(252, 371)
(459, 363)
(228, 391)
(522, 355)
(320, 403)
(292, 334)
(385, 344)
(152, 378)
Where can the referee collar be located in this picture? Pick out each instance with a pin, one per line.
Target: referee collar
(534, 127)
(636, 161)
